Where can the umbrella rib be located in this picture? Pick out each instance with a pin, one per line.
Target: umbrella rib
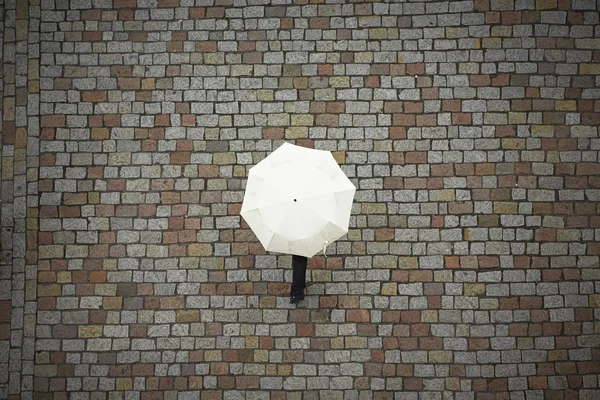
(282, 221)
(270, 240)
(337, 226)
(268, 205)
(337, 202)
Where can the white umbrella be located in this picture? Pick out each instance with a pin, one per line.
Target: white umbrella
(298, 200)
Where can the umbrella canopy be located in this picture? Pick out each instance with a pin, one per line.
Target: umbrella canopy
(298, 200)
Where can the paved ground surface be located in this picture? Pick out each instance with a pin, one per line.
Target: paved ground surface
(471, 269)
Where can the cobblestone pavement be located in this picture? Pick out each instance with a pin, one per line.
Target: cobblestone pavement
(470, 128)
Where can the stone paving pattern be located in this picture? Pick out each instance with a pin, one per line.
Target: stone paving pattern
(470, 128)
(19, 148)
